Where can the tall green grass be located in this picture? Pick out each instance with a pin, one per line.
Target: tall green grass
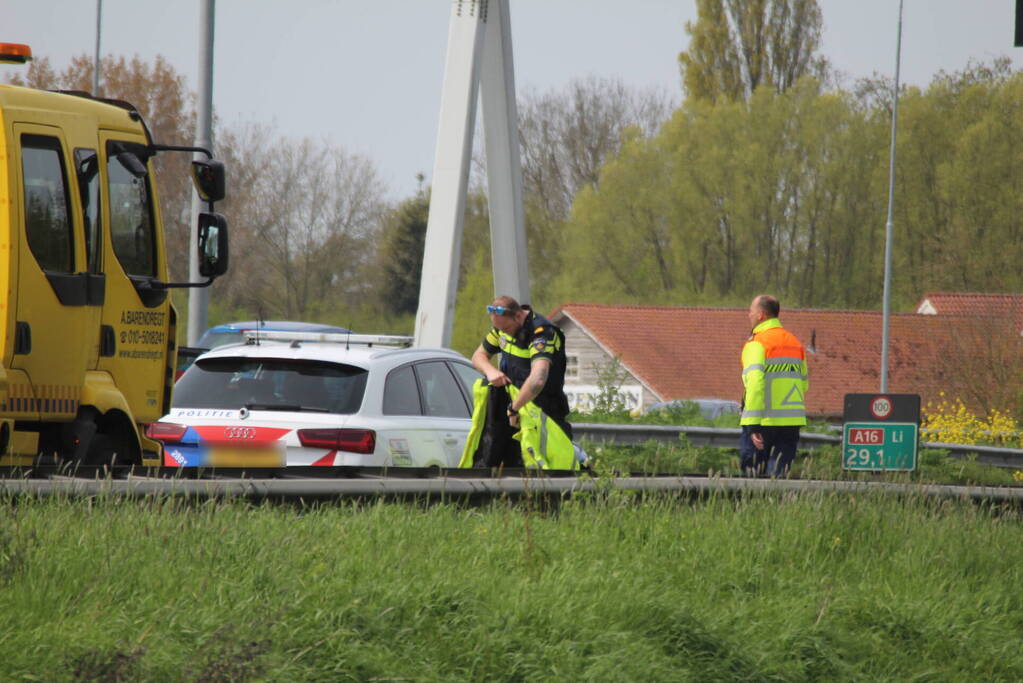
(608, 586)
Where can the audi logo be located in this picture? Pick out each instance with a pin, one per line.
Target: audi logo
(240, 432)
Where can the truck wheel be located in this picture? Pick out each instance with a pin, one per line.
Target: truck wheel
(111, 449)
(101, 451)
(104, 440)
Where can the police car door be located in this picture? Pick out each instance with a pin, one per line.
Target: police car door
(427, 416)
(445, 405)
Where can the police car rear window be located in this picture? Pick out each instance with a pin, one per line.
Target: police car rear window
(269, 384)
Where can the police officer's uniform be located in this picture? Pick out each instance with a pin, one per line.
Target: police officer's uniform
(537, 338)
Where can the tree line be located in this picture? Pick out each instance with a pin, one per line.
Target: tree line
(787, 191)
(764, 173)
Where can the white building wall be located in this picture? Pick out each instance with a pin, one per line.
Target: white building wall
(589, 358)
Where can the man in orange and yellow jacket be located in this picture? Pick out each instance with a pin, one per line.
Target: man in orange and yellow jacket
(774, 375)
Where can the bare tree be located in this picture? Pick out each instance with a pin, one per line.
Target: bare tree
(566, 137)
(305, 217)
(985, 353)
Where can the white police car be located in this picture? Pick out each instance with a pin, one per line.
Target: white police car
(283, 401)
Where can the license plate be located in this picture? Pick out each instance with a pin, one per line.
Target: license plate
(244, 457)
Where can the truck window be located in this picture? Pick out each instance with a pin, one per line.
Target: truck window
(87, 168)
(131, 217)
(47, 215)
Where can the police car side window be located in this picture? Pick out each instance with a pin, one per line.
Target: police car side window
(467, 375)
(47, 216)
(440, 393)
(401, 396)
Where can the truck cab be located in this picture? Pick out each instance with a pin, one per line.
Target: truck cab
(87, 329)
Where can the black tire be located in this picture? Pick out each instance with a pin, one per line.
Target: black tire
(113, 444)
(101, 451)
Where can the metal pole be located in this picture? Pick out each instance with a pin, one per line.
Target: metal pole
(886, 310)
(95, 63)
(199, 298)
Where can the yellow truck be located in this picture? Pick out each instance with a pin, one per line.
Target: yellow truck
(87, 329)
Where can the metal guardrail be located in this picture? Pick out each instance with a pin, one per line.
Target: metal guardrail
(444, 488)
(728, 437)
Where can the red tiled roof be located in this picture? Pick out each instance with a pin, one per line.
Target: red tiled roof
(1009, 306)
(694, 352)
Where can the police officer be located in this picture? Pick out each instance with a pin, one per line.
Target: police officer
(532, 358)
(774, 375)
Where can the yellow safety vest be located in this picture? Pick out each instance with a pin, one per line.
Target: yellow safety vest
(544, 444)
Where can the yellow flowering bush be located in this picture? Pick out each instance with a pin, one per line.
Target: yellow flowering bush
(950, 421)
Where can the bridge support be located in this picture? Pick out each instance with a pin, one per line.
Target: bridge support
(478, 65)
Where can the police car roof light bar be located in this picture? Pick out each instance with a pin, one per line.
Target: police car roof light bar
(332, 337)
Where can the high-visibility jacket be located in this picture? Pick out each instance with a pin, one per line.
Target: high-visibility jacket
(544, 444)
(774, 374)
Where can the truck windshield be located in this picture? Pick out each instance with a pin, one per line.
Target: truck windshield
(269, 384)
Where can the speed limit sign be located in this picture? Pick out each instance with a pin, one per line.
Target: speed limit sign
(881, 407)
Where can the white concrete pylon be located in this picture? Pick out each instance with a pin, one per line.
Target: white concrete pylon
(479, 45)
(504, 166)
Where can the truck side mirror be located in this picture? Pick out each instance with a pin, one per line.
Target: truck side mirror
(208, 178)
(213, 251)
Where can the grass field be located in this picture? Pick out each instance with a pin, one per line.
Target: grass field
(605, 587)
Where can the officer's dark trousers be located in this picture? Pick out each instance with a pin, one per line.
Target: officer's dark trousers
(780, 448)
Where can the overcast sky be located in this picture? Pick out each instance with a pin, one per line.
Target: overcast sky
(366, 74)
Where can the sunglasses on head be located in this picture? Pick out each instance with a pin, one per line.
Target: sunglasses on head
(499, 310)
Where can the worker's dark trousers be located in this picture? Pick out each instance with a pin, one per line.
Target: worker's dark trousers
(752, 463)
(780, 445)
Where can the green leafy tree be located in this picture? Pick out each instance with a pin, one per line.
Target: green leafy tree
(610, 401)
(959, 177)
(471, 321)
(737, 46)
(401, 255)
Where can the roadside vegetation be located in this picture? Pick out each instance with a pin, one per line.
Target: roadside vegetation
(609, 586)
(945, 422)
(934, 466)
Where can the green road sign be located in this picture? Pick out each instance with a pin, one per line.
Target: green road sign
(879, 446)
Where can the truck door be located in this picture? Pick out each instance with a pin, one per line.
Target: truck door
(52, 329)
(136, 317)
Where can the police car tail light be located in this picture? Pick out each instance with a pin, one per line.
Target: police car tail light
(351, 440)
(166, 432)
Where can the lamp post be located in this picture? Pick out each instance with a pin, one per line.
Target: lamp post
(199, 297)
(95, 64)
(886, 305)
